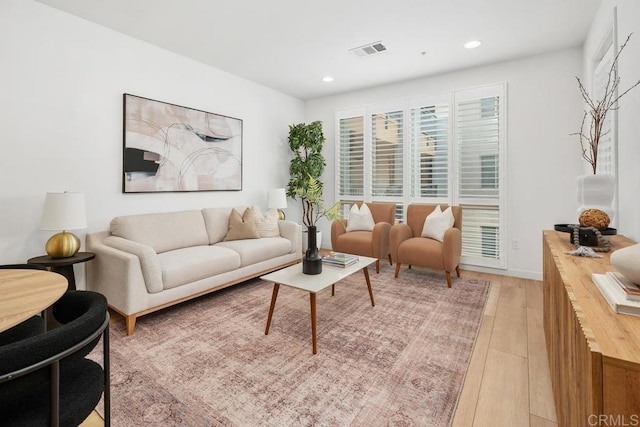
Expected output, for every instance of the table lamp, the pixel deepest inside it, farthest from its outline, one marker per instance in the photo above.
(63, 211)
(277, 199)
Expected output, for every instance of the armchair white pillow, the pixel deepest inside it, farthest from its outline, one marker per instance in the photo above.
(437, 223)
(360, 219)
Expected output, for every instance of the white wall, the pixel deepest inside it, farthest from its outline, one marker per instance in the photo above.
(543, 160)
(628, 20)
(61, 85)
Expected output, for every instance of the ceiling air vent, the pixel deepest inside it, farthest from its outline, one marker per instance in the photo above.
(368, 49)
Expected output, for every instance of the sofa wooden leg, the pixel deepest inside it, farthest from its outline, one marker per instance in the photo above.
(397, 269)
(377, 266)
(390, 261)
(448, 279)
(130, 322)
(458, 271)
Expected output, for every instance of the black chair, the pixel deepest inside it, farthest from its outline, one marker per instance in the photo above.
(46, 380)
(30, 327)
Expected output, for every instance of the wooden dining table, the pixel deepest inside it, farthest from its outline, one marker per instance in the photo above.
(25, 293)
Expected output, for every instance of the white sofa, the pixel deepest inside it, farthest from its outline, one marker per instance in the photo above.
(148, 262)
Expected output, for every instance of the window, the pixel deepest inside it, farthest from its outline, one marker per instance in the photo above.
(386, 153)
(478, 143)
(350, 165)
(479, 146)
(488, 108)
(489, 171)
(489, 241)
(444, 149)
(429, 157)
(480, 232)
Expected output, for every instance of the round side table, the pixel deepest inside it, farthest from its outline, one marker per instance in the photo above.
(63, 266)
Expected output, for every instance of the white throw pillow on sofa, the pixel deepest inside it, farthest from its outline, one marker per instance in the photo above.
(437, 223)
(360, 219)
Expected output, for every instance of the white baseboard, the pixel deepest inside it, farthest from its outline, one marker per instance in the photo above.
(523, 274)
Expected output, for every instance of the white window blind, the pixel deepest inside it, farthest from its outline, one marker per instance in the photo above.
(429, 155)
(478, 131)
(350, 165)
(387, 140)
(478, 150)
(481, 231)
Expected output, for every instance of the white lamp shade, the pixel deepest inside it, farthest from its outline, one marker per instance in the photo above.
(64, 211)
(277, 199)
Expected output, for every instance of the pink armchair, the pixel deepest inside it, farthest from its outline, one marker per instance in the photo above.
(408, 247)
(366, 243)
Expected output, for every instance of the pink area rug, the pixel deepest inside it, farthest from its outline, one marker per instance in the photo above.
(207, 362)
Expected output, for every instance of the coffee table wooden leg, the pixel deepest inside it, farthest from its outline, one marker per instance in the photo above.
(274, 296)
(314, 339)
(366, 276)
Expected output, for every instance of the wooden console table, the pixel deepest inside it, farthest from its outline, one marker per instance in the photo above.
(594, 353)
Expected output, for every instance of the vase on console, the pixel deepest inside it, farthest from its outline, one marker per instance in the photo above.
(312, 261)
(596, 191)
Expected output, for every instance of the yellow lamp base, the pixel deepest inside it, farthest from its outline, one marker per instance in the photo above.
(62, 245)
(280, 214)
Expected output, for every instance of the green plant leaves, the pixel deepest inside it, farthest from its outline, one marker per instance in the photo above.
(306, 142)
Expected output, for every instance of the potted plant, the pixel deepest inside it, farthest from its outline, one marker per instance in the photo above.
(313, 205)
(597, 190)
(306, 142)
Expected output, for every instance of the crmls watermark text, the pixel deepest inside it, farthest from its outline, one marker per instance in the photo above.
(603, 420)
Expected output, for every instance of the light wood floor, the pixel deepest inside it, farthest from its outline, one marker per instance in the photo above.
(508, 382)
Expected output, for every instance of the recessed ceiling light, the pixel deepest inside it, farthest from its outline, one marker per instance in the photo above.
(327, 79)
(472, 44)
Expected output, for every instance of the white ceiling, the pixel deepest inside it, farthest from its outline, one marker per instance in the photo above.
(289, 45)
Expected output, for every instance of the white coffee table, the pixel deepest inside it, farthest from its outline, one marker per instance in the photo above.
(293, 276)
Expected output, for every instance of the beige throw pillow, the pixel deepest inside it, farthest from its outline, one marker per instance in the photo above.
(266, 225)
(241, 227)
(437, 223)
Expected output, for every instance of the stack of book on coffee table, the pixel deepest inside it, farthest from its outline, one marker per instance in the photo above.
(621, 293)
(338, 259)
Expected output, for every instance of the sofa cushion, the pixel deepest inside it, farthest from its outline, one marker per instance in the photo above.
(241, 227)
(217, 223)
(356, 242)
(257, 250)
(163, 231)
(421, 252)
(187, 265)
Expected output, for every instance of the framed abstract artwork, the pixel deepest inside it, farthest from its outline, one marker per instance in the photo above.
(170, 148)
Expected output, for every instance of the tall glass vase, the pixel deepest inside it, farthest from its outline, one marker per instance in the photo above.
(312, 261)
